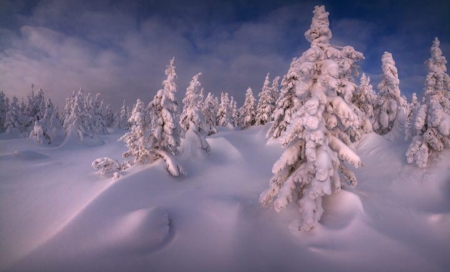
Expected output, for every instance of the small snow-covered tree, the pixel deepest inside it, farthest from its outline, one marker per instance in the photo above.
(4, 106)
(35, 109)
(159, 137)
(234, 112)
(192, 119)
(365, 97)
(411, 112)
(431, 126)
(320, 87)
(266, 104)
(78, 123)
(123, 117)
(137, 139)
(389, 113)
(363, 101)
(267, 101)
(247, 111)
(46, 129)
(98, 116)
(192, 103)
(286, 104)
(224, 112)
(40, 132)
(15, 119)
(209, 111)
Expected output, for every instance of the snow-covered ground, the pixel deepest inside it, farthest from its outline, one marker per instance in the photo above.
(57, 214)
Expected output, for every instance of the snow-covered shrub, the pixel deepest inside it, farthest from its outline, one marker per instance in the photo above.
(247, 111)
(431, 126)
(106, 166)
(316, 114)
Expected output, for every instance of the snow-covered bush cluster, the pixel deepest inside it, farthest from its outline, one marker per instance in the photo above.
(318, 115)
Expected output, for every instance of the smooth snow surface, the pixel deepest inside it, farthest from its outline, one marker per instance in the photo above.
(57, 214)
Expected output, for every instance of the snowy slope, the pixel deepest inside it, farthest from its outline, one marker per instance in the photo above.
(57, 214)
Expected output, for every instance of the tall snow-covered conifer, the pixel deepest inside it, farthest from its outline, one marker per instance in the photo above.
(431, 126)
(315, 138)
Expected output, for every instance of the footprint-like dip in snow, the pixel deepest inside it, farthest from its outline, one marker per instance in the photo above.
(142, 230)
(341, 209)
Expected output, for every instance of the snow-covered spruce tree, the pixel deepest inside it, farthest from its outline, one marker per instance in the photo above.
(137, 139)
(266, 104)
(192, 120)
(162, 137)
(47, 128)
(78, 123)
(224, 111)
(274, 89)
(411, 111)
(247, 112)
(4, 106)
(34, 109)
(235, 115)
(98, 116)
(363, 101)
(389, 113)
(267, 101)
(431, 125)
(15, 119)
(286, 104)
(365, 97)
(123, 117)
(316, 158)
(209, 111)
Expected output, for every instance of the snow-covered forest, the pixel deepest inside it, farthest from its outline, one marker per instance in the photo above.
(318, 169)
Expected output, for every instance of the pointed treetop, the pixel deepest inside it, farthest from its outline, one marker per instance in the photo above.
(319, 32)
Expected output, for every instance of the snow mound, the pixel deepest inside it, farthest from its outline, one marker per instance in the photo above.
(341, 209)
(227, 150)
(142, 230)
(28, 155)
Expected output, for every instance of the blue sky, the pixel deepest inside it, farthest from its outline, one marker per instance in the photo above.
(121, 48)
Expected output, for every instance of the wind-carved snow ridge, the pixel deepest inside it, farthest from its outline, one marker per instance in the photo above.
(315, 120)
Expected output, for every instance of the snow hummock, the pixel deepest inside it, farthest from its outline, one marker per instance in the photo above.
(57, 214)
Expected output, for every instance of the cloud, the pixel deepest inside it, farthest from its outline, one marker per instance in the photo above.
(121, 48)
